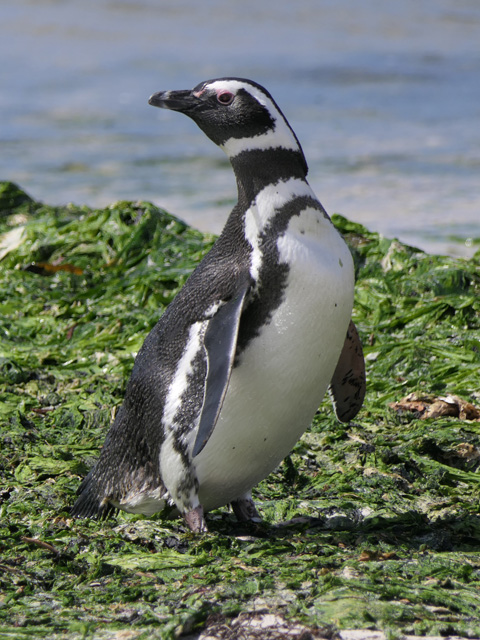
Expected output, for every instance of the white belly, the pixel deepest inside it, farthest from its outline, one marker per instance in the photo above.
(284, 372)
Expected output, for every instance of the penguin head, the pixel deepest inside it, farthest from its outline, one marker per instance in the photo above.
(236, 114)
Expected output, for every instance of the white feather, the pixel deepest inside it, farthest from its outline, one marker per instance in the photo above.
(262, 211)
(179, 384)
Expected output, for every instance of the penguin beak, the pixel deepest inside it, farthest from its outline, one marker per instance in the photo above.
(183, 101)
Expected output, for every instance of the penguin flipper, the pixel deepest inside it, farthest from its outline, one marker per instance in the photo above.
(347, 387)
(220, 343)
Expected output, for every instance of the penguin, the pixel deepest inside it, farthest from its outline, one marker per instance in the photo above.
(233, 373)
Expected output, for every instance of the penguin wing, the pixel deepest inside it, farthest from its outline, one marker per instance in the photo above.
(347, 387)
(220, 344)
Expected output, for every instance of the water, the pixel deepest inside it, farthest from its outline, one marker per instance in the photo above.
(385, 98)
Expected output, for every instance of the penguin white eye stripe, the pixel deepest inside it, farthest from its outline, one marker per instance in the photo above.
(280, 135)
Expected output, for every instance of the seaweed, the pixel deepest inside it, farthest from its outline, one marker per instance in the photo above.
(371, 525)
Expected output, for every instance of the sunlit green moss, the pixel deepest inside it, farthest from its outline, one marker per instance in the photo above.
(369, 525)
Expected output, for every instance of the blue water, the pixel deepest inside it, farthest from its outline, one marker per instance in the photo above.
(384, 96)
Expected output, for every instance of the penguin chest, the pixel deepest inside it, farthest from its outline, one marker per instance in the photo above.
(283, 372)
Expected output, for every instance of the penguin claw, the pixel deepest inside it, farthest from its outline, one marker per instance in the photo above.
(245, 510)
(196, 520)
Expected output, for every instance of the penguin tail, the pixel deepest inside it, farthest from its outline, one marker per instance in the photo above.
(91, 501)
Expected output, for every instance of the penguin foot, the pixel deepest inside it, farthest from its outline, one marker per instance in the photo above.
(196, 520)
(244, 509)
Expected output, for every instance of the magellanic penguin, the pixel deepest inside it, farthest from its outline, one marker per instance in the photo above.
(234, 371)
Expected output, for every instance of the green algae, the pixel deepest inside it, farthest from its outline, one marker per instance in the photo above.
(372, 525)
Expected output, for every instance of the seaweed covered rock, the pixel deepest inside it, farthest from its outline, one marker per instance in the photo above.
(367, 524)
(12, 198)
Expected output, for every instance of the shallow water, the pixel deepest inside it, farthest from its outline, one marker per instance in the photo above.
(385, 98)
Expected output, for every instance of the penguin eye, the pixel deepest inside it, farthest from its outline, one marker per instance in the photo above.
(225, 97)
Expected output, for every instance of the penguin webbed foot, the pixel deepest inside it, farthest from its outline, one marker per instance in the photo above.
(245, 510)
(196, 520)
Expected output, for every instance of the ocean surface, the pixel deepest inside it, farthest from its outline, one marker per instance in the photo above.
(384, 97)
